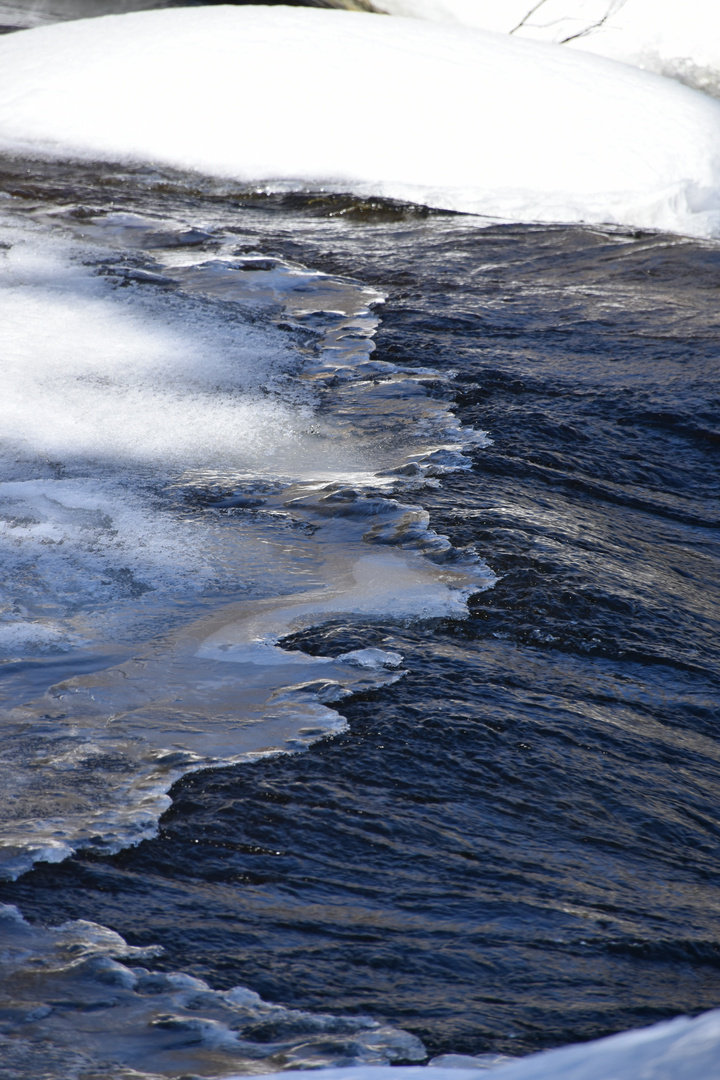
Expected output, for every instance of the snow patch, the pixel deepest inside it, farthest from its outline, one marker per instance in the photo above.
(469, 121)
(681, 41)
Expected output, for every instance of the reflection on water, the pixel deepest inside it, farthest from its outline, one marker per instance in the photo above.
(516, 845)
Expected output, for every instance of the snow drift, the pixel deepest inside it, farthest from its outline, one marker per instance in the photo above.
(678, 40)
(303, 98)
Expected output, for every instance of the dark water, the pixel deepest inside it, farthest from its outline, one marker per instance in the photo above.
(517, 845)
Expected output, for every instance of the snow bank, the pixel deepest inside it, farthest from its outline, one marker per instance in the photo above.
(468, 121)
(670, 38)
(675, 1050)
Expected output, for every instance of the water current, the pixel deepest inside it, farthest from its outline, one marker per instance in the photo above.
(246, 498)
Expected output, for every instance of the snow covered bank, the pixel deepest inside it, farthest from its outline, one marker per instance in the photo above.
(304, 98)
(678, 40)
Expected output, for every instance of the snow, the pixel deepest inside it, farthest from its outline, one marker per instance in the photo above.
(302, 98)
(674, 1050)
(678, 40)
(86, 373)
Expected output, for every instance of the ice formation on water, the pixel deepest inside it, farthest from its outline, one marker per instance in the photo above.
(131, 389)
(78, 1001)
(82, 1011)
(199, 456)
(499, 126)
(678, 40)
(142, 383)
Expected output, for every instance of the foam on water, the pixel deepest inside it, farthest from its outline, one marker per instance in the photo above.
(590, 140)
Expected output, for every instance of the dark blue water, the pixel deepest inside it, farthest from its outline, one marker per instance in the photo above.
(517, 845)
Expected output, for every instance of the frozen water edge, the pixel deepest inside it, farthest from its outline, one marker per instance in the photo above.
(29, 1057)
(338, 507)
(217, 689)
(71, 1005)
(78, 1001)
(90, 762)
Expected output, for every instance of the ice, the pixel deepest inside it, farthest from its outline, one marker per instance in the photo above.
(90, 372)
(77, 1000)
(458, 119)
(221, 691)
(110, 396)
(131, 412)
(78, 989)
(114, 394)
(175, 500)
(674, 1050)
(678, 40)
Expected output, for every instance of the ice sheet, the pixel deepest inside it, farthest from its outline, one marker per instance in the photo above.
(172, 487)
(462, 120)
(121, 493)
(119, 376)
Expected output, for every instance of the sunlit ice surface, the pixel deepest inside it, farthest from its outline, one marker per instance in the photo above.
(145, 403)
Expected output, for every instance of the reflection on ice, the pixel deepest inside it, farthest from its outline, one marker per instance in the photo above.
(220, 691)
(172, 475)
(90, 372)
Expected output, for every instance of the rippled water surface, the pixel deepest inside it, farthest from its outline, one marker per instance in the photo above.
(517, 844)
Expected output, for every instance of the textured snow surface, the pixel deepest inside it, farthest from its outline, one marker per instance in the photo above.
(681, 40)
(457, 119)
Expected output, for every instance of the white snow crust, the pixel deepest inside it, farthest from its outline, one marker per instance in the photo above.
(681, 40)
(302, 98)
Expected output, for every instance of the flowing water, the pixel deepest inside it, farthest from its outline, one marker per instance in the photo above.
(277, 468)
